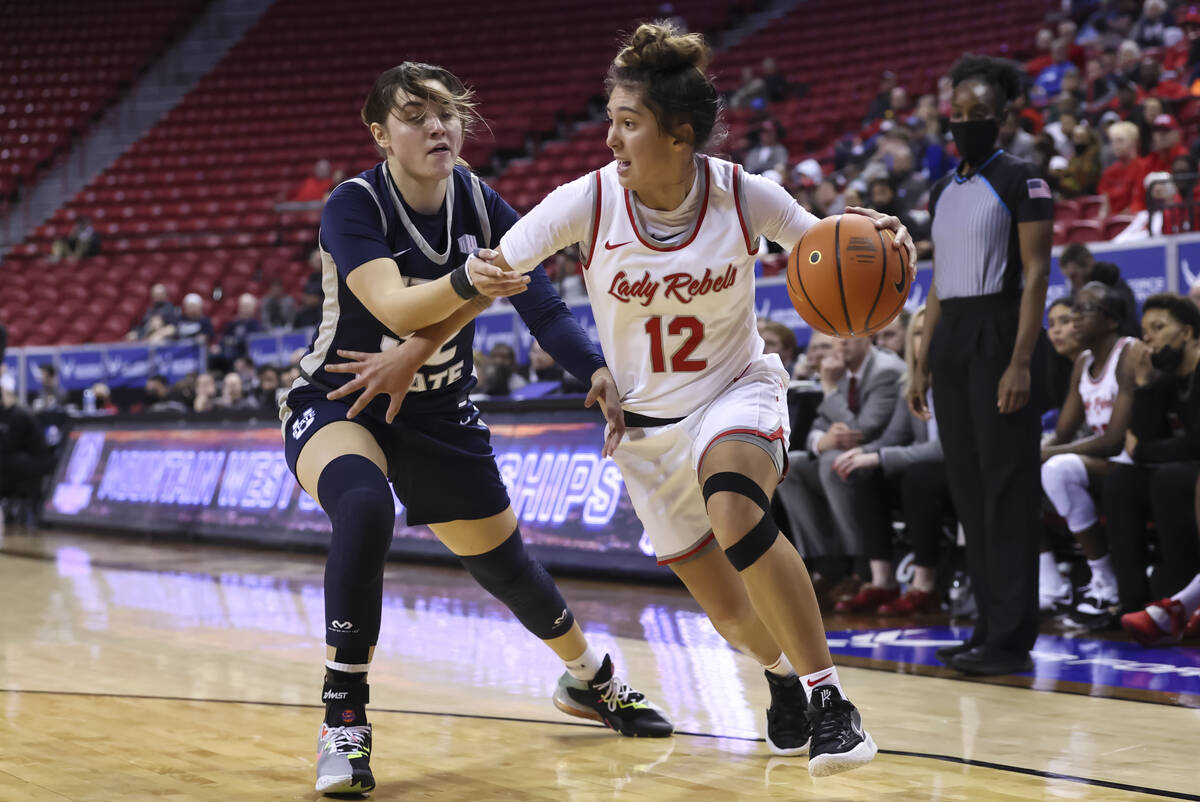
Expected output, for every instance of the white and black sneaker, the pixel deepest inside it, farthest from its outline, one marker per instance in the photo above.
(839, 742)
(1097, 608)
(788, 732)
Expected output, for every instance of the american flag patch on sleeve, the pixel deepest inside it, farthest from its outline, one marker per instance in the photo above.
(1038, 188)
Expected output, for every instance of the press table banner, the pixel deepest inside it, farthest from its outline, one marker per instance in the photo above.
(230, 481)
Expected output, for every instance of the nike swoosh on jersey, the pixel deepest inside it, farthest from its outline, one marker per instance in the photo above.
(401, 253)
(608, 246)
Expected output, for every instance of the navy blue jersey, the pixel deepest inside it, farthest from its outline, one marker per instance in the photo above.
(365, 218)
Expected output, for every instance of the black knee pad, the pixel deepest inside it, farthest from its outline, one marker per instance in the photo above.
(358, 499)
(515, 578)
(758, 540)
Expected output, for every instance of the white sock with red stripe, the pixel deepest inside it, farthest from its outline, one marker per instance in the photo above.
(826, 676)
(1189, 597)
(781, 667)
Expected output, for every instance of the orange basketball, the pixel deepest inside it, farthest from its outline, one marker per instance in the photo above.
(845, 277)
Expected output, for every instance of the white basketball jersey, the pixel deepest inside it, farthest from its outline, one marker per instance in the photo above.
(676, 317)
(1100, 394)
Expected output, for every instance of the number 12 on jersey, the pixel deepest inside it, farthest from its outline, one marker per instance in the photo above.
(679, 359)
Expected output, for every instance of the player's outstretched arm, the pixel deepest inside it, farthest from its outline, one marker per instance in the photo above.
(391, 372)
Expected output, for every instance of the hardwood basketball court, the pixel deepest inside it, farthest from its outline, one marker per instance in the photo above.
(150, 670)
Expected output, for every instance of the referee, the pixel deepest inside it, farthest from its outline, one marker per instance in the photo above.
(984, 351)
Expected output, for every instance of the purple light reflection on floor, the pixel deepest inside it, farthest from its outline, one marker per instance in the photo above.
(1116, 664)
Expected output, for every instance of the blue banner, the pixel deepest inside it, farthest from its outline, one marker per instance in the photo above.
(81, 368)
(1144, 270)
(127, 365)
(1189, 265)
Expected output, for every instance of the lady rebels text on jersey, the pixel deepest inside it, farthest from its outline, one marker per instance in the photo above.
(365, 218)
(675, 313)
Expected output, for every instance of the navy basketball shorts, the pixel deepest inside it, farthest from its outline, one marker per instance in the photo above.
(440, 464)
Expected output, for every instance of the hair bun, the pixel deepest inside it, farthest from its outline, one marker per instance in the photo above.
(661, 47)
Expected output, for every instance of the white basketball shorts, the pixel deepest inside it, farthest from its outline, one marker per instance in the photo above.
(661, 464)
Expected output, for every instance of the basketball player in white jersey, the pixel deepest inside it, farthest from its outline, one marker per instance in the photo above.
(670, 239)
(1101, 396)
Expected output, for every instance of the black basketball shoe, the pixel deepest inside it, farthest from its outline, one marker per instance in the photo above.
(788, 732)
(606, 698)
(839, 742)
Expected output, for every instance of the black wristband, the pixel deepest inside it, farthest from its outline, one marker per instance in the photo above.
(461, 283)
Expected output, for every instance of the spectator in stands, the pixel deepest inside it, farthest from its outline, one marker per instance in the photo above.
(160, 308)
(268, 388)
(861, 384)
(82, 242)
(1190, 70)
(206, 393)
(25, 458)
(778, 339)
(233, 395)
(1129, 56)
(1060, 330)
(277, 309)
(1049, 80)
(1109, 275)
(158, 396)
(1042, 42)
(309, 313)
(1183, 176)
(500, 377)
(1083, 169)
(902, 468)
(828, 198)
(238, 330)
(543, 368)
(808, 366)
(104, 402)
(883, 99)
(894, 335)
(883, 199)
(1075, 263)
(769, 158)
(752, 94)
(1063, 128)
(912, 188)
(778, 87)
(1119, 183)
(1101, 398)
(1164, 443)
(1152, 29)
(315, 187)
(1149, 222)
(52, 395)
(193, 323)
(1015, 139)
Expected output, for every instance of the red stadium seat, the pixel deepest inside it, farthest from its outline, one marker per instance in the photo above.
(1085, 231)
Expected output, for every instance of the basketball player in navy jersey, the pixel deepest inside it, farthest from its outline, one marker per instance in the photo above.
(394, 243)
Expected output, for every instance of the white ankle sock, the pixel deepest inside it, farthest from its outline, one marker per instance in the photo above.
(585, 666)
(1048, 576)
(781, 667)
(1102, 570)
(826, 676)
(1189, 597)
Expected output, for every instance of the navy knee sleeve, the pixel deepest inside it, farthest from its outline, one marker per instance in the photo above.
(356, 496)
(515, 578)
(758, 540)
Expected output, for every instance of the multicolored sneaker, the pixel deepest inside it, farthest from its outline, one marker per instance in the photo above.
(788, 733)
(839, 742)
(343, 760)
(606, 698)
(914, 602)
(1161, 623)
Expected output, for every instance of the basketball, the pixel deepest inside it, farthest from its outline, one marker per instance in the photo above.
(845, 277)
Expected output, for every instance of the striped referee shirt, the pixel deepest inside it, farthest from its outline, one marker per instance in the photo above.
(976, 246)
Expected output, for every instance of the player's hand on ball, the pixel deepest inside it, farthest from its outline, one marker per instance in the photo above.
(388, 372)
(902, 238)
(604, 390)
(491, 280)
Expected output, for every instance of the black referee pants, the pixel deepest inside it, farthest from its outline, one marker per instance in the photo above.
(992, 463)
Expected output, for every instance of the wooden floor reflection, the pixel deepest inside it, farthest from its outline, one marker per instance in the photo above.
(137, 670)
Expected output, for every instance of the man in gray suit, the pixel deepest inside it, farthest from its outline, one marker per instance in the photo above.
(861, 385)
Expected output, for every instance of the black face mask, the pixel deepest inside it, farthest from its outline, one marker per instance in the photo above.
(1167, 359)
(976, 139)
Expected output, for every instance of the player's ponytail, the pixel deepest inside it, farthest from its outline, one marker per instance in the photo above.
(670, 69)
